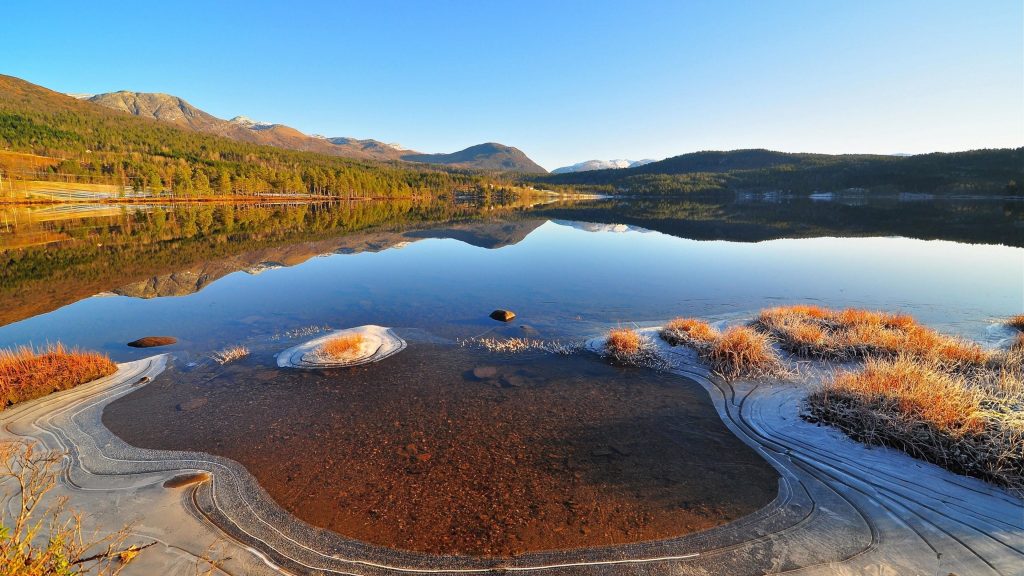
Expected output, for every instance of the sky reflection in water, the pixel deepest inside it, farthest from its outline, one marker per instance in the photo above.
(562, 280)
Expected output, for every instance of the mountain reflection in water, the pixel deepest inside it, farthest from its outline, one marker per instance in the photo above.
(566, 268)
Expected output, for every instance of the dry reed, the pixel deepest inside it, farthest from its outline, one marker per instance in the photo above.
(971, 424)
(739, 352)
(230, 354)
(27, 373)
(629, 347)
(341, 347)
(815, 332)
(689, 332)
(1016, 322)
(517, 345)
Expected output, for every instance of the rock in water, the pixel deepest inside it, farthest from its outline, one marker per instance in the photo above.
(485, 372)
(503, 315)
(153, 341)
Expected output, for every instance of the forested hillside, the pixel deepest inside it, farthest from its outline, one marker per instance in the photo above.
(977, 171)
(92, 144)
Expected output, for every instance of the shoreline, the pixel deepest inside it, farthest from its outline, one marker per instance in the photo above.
(161, 200)
(843, 507)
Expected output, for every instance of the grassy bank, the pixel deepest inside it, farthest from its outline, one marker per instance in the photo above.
(937, 397)
(26, 373)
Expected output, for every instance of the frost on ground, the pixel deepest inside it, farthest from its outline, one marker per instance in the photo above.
(516, 345)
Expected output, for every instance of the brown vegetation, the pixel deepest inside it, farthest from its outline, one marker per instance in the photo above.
(816, 332)
(26, 373)
(689, 332)
(1016, 322)
(937, 397)
(739, 352)
(623, 341)
(971, 424)
(342, 347)
(230, 354)
(629, 347)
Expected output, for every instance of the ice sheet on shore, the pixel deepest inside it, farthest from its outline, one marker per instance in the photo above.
(377, 344)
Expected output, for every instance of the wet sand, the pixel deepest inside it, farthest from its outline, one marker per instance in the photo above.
(456, 451)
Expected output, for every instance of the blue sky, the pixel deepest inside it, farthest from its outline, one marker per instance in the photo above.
(563, 80)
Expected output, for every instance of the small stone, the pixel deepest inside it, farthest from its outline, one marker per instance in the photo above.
(153, 341)
(503, 315)
(193, 404)
(187, 479)
(485, 372)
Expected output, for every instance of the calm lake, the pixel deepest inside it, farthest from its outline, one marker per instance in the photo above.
(451, 449)
(214, 276)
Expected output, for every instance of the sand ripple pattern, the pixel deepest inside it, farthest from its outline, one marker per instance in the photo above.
(842, 508)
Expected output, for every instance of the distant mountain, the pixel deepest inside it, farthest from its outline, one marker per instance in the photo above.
(175, 110)
(600, 165)
(178, 111)
(489, 156)
(996, 171)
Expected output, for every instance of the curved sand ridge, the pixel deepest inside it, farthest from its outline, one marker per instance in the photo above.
(377, 343)
(842, 508)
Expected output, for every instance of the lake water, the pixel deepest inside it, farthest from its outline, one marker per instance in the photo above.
(452, 449)
(564, 278)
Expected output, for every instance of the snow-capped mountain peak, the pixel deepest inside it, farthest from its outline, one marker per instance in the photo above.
(250, 123)
(601, 165)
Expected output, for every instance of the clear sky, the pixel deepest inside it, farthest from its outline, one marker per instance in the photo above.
(563, 80)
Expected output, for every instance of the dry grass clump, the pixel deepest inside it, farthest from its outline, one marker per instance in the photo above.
(741, 352)
(689, 332)
(1016, 322)
(27, 373)
(816, 332)
(623, 341)
(341, 347)
(971, 424)
(517, 345)
(629, 347)
(230, 354)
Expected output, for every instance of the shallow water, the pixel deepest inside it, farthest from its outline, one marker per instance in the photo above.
(563, 279)
(445, 449)
(550, 451)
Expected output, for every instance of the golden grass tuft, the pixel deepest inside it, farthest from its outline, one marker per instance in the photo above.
(971, 424)
(342, 347)
(739, 352)
(1016, 322)
(623, 341)
(688, 331)
(27, 373)
(812, 331)
(917, 391)
(743, 352)
(629, 347)
(230, 354)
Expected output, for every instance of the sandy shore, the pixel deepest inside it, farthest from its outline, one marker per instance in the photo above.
(842, 508)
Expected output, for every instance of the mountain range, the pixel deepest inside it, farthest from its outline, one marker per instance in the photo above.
(601, 165)
(178, 111)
